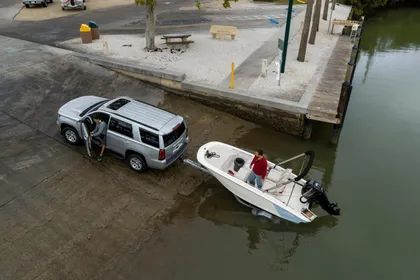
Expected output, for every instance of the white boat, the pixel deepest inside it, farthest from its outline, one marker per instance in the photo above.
(283, 193)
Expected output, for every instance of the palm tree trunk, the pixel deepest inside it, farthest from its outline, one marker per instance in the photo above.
(315, 22)
(150, 27)
(325, 14)
(305, 31)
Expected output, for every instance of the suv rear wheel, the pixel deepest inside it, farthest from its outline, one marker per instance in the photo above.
(137, 163)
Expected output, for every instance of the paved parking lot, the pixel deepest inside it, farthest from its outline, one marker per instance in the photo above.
(63, 215)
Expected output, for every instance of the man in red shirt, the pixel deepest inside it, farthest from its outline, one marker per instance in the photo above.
(259, 170)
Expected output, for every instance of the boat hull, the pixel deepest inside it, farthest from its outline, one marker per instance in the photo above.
(258, 201)
(246, 192)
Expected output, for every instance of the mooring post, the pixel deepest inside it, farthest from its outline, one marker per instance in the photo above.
(342, 110)
(343, 100)
(307, 129)
(349, 71)
(354, 51)
(335, 134)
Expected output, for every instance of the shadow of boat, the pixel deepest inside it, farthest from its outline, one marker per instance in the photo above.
(221, 207)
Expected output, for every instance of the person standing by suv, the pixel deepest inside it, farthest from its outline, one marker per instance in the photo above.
(99, 133)
(259, 170)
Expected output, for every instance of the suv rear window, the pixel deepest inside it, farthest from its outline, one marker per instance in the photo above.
(149, 138)
(168, 139)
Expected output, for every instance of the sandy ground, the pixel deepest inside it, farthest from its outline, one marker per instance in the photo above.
(38, 13)
(299, 75)
(207, 60)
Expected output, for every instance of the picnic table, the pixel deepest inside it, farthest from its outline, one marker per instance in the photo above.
(183, 37)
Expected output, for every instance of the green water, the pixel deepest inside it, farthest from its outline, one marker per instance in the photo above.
(371, 173)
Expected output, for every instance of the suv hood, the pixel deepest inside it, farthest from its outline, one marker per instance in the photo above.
(73, 108)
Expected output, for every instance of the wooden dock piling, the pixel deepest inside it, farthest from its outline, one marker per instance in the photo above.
(331, 98)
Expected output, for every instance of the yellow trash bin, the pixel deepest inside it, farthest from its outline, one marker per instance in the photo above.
(85, 34)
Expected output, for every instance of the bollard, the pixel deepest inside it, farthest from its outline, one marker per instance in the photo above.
(357, 40)
(264, 68)
(349, 71)
(85, 34)
(94, 30)
(106, 48)
(232, 77)
(343, 101)
(354, 53)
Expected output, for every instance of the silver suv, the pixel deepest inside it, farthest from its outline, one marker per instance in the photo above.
(143, 134)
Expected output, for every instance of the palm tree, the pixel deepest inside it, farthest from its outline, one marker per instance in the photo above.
(150, 23)
(151, 19)
(315, 22)
(325, 14)
(305, 31)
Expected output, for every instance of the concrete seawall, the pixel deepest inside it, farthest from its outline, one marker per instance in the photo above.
(286, 116)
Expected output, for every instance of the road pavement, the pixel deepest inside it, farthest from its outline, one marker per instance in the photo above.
(62, 214)
(131, 19)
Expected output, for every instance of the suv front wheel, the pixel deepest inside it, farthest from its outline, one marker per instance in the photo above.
(71, 135)
(137, 163)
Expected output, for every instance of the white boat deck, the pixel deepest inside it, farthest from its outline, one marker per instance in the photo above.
(224, 161)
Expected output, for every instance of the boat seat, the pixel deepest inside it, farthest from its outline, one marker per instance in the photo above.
(229, 162)
(243, 173)
(267, 184)
(278, 176)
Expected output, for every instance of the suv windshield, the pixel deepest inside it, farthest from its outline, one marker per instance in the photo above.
(88, 109)
(168, 139)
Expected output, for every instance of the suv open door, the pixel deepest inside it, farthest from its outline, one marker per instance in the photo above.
(85, 125)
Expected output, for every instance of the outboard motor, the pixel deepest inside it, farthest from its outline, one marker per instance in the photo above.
(313, 192)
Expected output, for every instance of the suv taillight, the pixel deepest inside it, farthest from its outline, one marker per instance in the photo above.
(161, 154)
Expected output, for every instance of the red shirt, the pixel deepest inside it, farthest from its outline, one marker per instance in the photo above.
(260, 166)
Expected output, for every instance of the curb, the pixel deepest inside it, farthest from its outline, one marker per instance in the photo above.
(137, 69)
(177, 80)
(280, 114)
(235, 95)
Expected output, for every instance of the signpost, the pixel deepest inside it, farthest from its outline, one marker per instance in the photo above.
(286, 35)
(280, 45)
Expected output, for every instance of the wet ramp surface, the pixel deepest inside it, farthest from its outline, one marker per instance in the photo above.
(62, 214)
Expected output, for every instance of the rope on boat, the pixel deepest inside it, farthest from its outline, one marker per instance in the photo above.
(211, 154)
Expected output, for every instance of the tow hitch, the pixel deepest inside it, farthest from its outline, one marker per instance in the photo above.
(194, 164)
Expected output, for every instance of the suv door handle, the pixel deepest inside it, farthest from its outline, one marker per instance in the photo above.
(126, 141)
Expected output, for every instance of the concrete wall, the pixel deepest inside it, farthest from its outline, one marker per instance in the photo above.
(285, 117)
